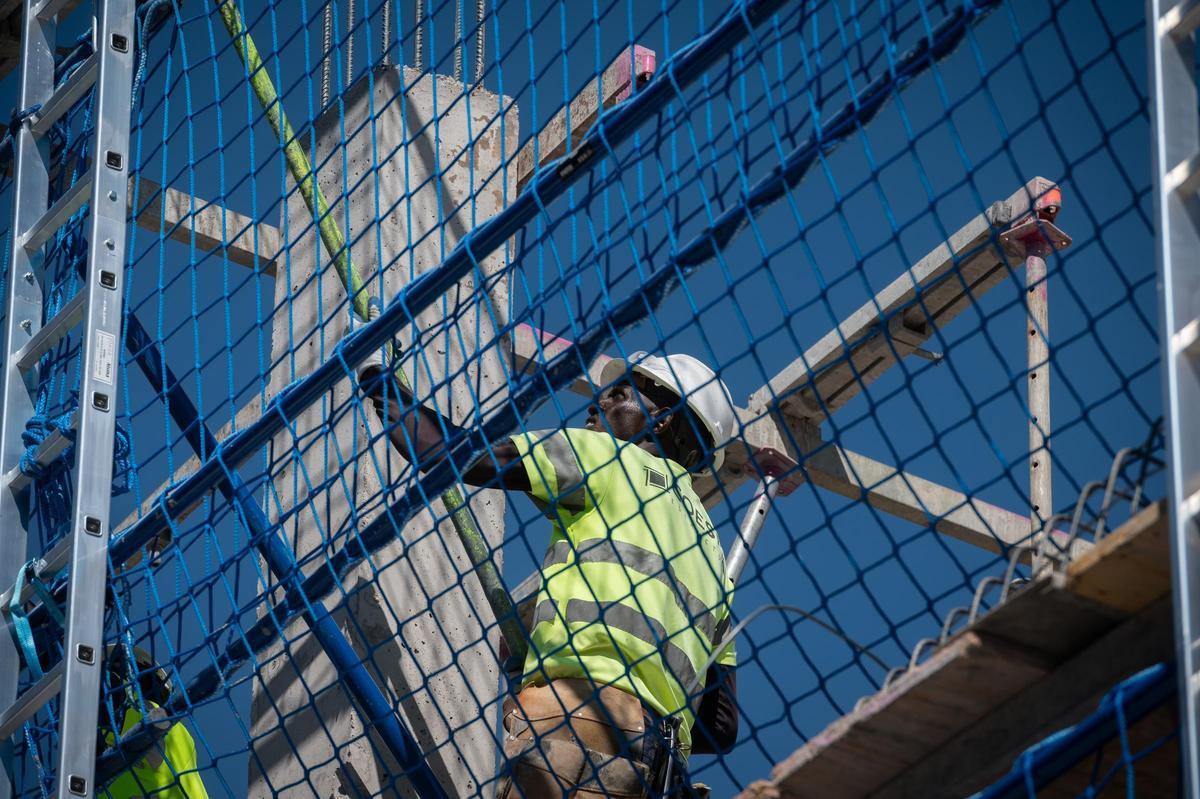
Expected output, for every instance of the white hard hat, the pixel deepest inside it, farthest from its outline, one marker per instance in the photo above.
(687, 377)
(150, 675)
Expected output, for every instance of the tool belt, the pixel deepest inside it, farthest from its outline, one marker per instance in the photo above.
(575, 738)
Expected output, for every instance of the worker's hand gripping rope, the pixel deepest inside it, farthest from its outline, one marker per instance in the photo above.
(375, 359)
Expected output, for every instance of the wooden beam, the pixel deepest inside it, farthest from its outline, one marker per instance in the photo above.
(920, 501)
(983, 752)
(901, 318)
(532, 348)
(985, 669)
(628, 71)
(170, 211)
(828, 466)
(1121, 575)
(927, 705)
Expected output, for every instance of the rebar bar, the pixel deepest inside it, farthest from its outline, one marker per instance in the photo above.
(385, 26)
(326, 53)
(480, 39)
(419, 36)
(349, 42)
(458, 40)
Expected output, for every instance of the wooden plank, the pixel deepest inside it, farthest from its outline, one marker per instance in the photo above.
(1043, 617)
(170, 211)
(1130, 567)
(921, 501)
(1059, 612)
(892, 324)
(532, 348)
(904, 740)
(629, 70)
(980, 754)
(896, 727)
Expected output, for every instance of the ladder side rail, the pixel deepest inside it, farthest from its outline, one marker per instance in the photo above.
(96, 424)
(1176, 139)
(23, 318)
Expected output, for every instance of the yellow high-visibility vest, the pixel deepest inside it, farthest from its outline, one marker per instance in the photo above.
(633, 582)
(166, 771)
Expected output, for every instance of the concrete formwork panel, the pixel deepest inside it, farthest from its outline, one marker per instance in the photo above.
(416, 613)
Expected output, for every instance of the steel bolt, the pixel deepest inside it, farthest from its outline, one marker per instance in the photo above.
(29, 278)
(110, 244)
(112, 195)
(26, 325)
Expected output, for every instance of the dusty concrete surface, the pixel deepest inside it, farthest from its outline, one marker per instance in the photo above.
(415, 612)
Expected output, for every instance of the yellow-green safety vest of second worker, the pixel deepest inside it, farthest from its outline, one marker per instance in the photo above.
(633, 583)
(167, 771)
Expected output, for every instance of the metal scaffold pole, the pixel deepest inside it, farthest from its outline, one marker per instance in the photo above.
(1035, 238)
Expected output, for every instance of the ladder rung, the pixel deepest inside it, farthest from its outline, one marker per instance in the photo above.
(30, 702)
(51, 447)
(51, 333)
(48, 9)
(1187, 341)
(54, 562)
(1191, 506)
(1182, 20)
(1184, 178)
(58, 214)
(65, 96)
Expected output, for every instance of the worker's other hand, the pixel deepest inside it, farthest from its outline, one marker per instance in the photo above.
(368, 371)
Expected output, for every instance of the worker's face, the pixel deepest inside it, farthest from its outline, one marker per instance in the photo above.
(622, 410)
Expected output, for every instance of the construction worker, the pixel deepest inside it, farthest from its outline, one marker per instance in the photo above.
(633, 582)
(168, 770)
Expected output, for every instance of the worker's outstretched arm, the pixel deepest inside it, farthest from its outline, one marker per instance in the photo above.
(417, 433)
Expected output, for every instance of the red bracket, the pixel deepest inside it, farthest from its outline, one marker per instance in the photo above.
(1035, 234)
(773, 463)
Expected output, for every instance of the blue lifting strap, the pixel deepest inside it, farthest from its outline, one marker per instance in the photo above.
(20, 620)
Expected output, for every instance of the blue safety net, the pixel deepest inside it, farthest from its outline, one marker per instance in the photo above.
(828, 203)
(1125, 746)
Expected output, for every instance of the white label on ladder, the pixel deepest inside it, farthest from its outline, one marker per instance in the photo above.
(106, 351)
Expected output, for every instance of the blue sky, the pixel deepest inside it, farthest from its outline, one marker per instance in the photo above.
(1055, 89)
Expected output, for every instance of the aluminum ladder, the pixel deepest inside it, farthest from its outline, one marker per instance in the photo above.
(1171, 28)
(96, 313)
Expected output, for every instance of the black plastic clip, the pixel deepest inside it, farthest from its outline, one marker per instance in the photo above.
(575, 160)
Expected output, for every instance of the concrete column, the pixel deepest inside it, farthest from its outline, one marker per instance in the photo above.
(416, 612)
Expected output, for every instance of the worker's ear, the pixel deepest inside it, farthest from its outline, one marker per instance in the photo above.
(662, 421)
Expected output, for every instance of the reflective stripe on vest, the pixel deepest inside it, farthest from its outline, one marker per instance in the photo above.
(567, 474)
(628, 620)
(649, 564)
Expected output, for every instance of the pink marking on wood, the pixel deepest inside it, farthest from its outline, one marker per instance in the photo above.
(615, 85)
(643, 63)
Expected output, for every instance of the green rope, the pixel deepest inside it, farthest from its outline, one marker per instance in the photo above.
(335, 244)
